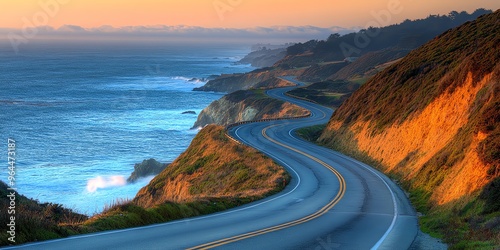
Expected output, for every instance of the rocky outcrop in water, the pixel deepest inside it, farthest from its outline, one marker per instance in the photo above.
(146, 168)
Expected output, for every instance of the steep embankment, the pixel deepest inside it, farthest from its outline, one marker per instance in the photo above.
(214, 167)
(433, 120)
(246, 105)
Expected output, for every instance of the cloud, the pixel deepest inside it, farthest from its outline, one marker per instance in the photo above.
(182, 32)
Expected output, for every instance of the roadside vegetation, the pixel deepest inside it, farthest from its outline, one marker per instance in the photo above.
(35, 221)
(328, 93)
(212, 175)
(452, 169)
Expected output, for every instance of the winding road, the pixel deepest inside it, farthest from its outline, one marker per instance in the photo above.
(332, 202)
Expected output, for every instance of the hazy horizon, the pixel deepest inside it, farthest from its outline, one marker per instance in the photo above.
(239, 14)
(277, 34)
(237, 21)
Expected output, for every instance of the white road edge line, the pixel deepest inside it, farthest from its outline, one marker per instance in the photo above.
(173, 222)
(394, 202)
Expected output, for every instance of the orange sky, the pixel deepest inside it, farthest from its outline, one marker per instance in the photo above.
(231, 14)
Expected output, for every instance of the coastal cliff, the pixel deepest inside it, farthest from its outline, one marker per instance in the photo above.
(246, 105)
(336, 58)
(260, 78)
(264, 57)
(214, 167)
(433, 121)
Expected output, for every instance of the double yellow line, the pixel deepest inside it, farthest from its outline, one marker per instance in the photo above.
(323, 210)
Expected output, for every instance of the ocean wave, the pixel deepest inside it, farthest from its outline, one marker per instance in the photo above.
(101, 182)
(179, 83)
(190, 80)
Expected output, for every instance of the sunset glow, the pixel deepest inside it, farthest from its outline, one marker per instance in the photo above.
(219, 13)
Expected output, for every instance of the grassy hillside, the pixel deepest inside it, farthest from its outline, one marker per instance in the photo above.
(35, 221)
(319, 72)
(433, 121)
(254, 79)
(406, 35)
(214, 174)
(214, 167)
(328, 93)
(320, 60)
(264, 57)
(366, 65)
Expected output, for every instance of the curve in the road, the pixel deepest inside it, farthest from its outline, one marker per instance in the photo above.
(315, 215)
(332, 202)
(342, 186)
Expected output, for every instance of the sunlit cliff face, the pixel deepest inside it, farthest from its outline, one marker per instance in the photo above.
(405, 148)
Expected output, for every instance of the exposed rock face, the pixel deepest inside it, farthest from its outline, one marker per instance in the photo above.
(246, 105)
(146, 168)
(433, 119)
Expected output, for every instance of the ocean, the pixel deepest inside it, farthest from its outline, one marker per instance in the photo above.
(83, 113)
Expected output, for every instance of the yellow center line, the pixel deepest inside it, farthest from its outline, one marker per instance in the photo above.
(323, 210)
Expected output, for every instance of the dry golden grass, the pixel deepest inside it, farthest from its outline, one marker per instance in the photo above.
(432, 120)
(214, 167)
(422, 136)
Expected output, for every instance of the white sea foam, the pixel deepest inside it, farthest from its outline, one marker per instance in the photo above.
(81, 128)
(101, 182)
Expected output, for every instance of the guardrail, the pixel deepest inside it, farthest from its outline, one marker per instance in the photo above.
(300, 98)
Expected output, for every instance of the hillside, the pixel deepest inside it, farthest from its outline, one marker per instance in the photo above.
(409, 34)
(214, 167)
(366, 64)
(433, 121)
(264, 57)
(213, 174)
(319, 72)
(246, 105)
(328, 93)
(253, 79)
(35, 221)
(315, 61)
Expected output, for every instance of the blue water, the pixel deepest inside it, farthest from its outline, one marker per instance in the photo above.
(83, 113)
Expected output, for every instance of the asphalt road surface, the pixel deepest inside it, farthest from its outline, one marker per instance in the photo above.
(332, 202)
